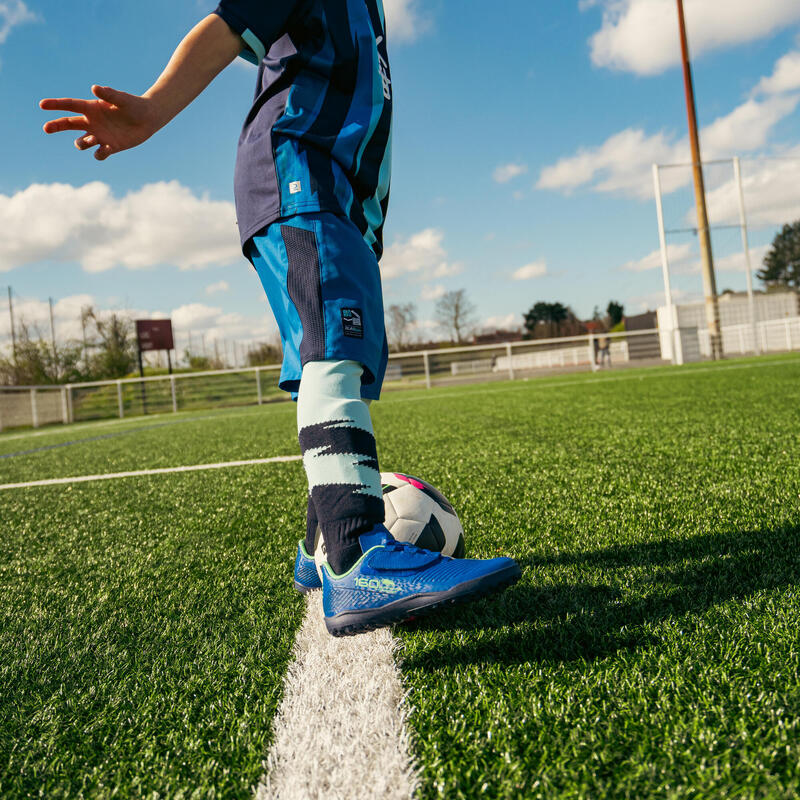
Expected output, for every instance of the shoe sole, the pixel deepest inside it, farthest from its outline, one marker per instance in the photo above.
(306, 589)
(349, 623)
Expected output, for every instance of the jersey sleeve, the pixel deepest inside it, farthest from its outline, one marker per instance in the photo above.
(260, 23)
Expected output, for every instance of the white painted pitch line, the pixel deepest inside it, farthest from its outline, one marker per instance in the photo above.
(340, 731)
(161, 471)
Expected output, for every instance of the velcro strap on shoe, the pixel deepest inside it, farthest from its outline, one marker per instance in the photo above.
(403, 557)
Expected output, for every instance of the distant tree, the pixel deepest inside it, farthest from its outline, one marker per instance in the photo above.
(615, 312)
(400, 319)
(115, 345)
(265, 353)
(197, 363)
(547, 315)
(558, 314)
(782, 262)
(456, 315)
(35, 363)
(537, 314)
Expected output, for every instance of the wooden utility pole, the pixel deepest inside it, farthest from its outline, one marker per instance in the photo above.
(703, 232)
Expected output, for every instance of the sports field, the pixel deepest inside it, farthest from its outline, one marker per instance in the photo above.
(651, 648)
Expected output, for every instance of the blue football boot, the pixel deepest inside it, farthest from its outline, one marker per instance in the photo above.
(395, 581)
(306, 577)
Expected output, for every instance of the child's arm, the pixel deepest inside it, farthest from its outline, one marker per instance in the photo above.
(117, 121)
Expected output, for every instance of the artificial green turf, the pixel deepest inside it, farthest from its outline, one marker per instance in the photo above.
(650, 650)
(145, 628)
(154, 442)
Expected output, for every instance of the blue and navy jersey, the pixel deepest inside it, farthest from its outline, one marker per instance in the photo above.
(318, 135)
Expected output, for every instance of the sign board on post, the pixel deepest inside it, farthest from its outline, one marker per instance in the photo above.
(154, 334)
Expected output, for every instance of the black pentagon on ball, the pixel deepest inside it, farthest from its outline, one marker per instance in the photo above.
(432, 536)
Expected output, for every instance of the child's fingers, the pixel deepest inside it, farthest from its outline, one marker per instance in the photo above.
(66, 124)
(108, 94)
(103, 152)
(85, 142)
(64, 104)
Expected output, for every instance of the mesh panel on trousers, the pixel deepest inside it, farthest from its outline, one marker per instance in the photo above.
(305, 289)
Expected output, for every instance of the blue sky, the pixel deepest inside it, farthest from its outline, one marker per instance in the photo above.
(523, 145)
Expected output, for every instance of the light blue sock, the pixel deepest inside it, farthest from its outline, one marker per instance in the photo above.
(340, 458)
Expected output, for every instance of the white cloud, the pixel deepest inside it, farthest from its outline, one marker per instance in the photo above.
(684, 260)
(785, 77)
(194, 315)
(432, 292)
(219, 286)
(35, 314)
(507, 172)
(747, 127)
(676, 253)
(770, 189)
(421, 253)
(13, 13)
(404, 20)
(623, 163)
(536, 269)
(641, 36)
(736, 262)
(447, 270)
(507, 322)
(159, 224)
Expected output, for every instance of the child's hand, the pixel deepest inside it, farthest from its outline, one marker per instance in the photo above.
(114, 122)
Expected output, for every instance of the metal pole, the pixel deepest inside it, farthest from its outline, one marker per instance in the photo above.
(510, 362)
(142, 387)
(53, 336)
(64, 407)
(258, 384)
(662, 239)
(13, 333)
(426, 361)
(703, 232)
(751, 302)
(34, 409)
(85, 351)
(120, 406)
(172, 389)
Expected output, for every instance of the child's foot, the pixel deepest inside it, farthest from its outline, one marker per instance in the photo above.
(394, 581)
(306, 577)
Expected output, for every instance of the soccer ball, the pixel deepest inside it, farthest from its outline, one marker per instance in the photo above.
(416, 513)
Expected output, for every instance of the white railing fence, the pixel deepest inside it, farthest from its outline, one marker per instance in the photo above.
(773, 335)
(41, 405)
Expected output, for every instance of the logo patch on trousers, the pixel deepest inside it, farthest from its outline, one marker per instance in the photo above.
(352, 324)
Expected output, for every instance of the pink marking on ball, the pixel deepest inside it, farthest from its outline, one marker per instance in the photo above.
(413, 481)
